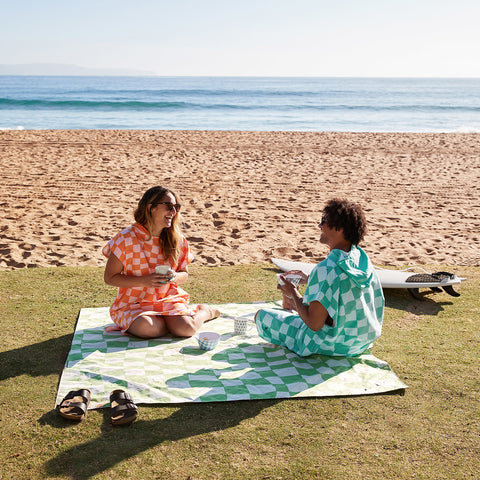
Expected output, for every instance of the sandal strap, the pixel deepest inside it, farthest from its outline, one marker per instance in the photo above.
(83, 392)
(123, 408)
(121, 397)
(74, 407)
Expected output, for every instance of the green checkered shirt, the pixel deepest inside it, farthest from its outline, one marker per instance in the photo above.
(346, 284)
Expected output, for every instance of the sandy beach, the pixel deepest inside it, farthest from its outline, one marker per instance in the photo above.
(246, 196)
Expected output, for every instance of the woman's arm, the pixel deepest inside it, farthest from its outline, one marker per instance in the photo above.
(113, 276)
(179, 277)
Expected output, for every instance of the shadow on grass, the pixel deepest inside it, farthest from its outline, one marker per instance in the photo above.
(38, 359)
(117, 444)
(400, 299)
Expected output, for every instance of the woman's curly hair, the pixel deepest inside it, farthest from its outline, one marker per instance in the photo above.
(342, 214)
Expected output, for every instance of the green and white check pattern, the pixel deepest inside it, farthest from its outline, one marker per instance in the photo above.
(241, 367)
(358, 312)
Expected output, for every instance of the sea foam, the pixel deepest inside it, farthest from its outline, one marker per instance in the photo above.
(19, 127)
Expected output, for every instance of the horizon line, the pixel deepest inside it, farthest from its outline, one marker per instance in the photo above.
(241, 76)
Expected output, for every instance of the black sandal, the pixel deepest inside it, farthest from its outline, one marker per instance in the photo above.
(122, 408)
(75, 404)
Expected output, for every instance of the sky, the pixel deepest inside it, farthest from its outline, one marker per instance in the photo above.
(371, 38)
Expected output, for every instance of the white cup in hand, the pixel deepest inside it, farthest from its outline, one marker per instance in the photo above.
(295, 279)
(162, 269)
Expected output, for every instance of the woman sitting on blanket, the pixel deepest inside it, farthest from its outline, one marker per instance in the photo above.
(150, 304)
(341, 312)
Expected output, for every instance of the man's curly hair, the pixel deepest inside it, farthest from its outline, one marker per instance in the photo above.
(342, 214)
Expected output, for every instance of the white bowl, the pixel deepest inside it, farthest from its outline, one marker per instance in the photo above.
(207, 340)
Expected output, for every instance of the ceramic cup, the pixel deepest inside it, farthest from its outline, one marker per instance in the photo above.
(295, 279)
(162, 269)
(241, 325)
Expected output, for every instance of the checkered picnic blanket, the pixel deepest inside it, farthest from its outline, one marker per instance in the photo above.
(241, 367)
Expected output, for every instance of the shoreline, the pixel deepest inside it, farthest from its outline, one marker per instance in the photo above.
(246, 196)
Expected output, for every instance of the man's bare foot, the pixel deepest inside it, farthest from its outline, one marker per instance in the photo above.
(209, 312)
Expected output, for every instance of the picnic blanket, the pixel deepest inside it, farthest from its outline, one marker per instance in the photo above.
(241, 367)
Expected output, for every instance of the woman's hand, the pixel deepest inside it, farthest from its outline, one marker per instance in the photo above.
(181, 276)
(166, 277)
(157, 279)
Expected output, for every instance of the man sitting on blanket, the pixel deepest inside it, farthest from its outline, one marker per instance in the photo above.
(341, 312)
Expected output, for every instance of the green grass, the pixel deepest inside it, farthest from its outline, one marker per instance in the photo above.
(432, 432)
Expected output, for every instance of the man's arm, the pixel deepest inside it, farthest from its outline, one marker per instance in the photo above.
(314, 315)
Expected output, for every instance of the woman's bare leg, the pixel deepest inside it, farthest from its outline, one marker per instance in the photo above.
(148, 326)
(187, 326)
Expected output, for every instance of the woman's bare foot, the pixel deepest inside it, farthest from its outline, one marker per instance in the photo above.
(207, 312)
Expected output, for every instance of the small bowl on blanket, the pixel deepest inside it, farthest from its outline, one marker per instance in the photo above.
(207, 340)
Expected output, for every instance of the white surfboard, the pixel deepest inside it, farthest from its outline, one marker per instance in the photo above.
(388, 278)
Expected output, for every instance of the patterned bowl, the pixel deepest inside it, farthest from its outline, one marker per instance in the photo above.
(207, 340)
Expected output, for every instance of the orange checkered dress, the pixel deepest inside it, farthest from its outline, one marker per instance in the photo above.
(140, 255)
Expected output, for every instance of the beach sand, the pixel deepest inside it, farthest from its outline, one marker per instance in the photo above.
(246, 196)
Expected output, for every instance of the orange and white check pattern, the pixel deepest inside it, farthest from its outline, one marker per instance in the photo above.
(140, 255)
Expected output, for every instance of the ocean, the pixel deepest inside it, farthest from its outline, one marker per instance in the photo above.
(240, 103)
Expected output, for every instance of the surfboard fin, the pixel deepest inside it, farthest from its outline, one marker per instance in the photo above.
(415, 293)
(449, 289)
(430, 277)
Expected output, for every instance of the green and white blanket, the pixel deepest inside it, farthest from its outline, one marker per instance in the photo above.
(241, 367)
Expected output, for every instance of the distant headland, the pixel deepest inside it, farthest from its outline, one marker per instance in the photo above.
(59, 69)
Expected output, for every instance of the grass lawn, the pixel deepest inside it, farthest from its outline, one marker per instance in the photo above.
(432, 432)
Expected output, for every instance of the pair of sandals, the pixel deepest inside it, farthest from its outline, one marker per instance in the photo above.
(122, 408)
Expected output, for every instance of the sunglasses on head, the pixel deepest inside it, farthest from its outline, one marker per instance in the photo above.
(171, 206)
